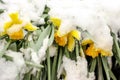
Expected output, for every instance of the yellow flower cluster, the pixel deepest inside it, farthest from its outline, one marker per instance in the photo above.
(14, 28)
(69, 40)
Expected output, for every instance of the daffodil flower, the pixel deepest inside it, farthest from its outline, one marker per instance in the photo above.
(66, 39)
(93, 51)
(15, 27)
(56, 21)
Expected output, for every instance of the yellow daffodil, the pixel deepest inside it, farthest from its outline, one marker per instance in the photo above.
(92, 51)
(66, 39)
(14, 28)
(61, 40)
(87, 42)
(74, 34)
(56, 21)
(104, 52)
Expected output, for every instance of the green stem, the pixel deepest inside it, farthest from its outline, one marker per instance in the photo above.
(48, 65)
(60, 58)
(44, 71)
(106, 68)
(81, 52)
(34, 64)
(27, 76)
(38, 75)
(8, 44)
(93, 65)
(67, 53)
(116, 44)
(112, 75)
(54, 67)
(100, 72)
(77, 50)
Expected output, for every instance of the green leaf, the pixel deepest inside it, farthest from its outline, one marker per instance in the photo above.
(116, 45)
(66, 52)
(112, 75)
(82, 54)
(38, 75)
(45, 16)
(32, 44)
(42, 36)
(34, 64)
(54, 68)
(35, 37)
(60, 57)
(43, 75)
(51, 39)
(48, 65)
(2, 52)
(93, 65)
(1, 11)
(116, 48)
(13, 47)
(8, 57)
(34, 77)
(100, 69)
(27, 76)
(106, 68)
(2, 37)
(46, 10)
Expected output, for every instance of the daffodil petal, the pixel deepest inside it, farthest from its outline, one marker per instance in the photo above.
(71, 43)
(75, 34)
(7, 25)
(56, 21)
(15, 18)
(61, 40)
(92, 51)
(15, 32)
(86, 41)
(17, 35)
(30, 27)
(104, 53)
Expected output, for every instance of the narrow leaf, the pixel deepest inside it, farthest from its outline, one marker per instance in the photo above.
(93, 65)
(51, 36)
(41, 38)
(112, 75)
(100, 69)
(34, 64)
(106, 68)
(116, 45)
